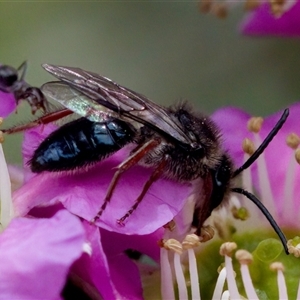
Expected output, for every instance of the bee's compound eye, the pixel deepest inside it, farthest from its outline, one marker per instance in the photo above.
(8, 76)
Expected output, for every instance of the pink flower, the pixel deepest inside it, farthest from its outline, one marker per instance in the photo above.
(273, 17)
(101, 269)
(36, 255)
(276, 172)
(7, 104)
(262, 21)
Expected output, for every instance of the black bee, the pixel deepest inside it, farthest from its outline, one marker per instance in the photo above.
(12, 82)
(176, 142)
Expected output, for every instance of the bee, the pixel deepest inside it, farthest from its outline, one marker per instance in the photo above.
(12, 81)
(175, 142)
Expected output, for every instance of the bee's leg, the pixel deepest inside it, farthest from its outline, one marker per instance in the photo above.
(154, 176)
(132, 160)
(45, 119)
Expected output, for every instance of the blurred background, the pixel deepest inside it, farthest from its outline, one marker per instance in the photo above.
(165, 50)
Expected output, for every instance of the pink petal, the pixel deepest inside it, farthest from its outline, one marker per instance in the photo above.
(82, 193)
(7, 104)
(94, 269)
(32, 138)
(262, 22)
(277, 168)
(36, 255)
(126, 277)
(232, 123)
(145, 244)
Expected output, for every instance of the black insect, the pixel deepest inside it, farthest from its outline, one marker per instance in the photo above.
(12, 81)
(176, 142)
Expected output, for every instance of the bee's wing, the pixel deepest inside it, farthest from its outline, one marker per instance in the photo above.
(119, 100)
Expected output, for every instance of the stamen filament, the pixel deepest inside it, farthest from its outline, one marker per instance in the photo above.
(264, 182)
(247, 281)
(298, 292)
(246, 177)
(195, 286)
(226, 249)
(5, 192)
(287, 208)
(282, 289)
(281, 285)
(167, 289)
(226, 296)
(245, 258)
(232, 287)
(219, 285)
(181, 283)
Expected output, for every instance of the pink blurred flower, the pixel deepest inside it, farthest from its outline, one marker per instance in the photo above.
(276, 171)
(7, 104)
(272, 17)
(266, 20)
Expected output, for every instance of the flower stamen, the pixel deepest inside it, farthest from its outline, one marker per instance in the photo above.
(282, 289)
(254, 125)
(245, 258)
(248, 148)
(226, 250)
(220, 284)
(297, 156)
(294, 246)
(1, 137)
(181, 283)
(226, 295)
(293, 141)
(167, 290)
(190, 242)
(207, 233)
(5, 192)
(279, 7)
(251, 4)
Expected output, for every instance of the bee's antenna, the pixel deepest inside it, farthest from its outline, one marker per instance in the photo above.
(266, 213)
(264, 144)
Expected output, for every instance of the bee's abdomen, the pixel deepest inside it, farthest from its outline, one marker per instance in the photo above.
(80, 143)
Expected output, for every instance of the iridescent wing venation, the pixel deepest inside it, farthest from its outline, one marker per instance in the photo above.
(120, 99)
(76, 101)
